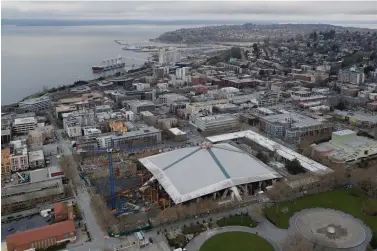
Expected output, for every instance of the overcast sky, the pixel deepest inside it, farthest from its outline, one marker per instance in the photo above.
(196, 10)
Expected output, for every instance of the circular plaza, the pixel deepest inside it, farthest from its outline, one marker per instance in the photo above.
(331, 229)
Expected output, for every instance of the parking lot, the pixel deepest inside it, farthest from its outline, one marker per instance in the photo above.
(22, 225)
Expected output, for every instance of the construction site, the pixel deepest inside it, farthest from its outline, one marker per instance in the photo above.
(134, 188)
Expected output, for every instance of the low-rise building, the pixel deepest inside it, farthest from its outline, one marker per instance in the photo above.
(40, 188)
(216, 124)
(359, 119)
(24, 125)
(138, 106)
(117, 126)
(346, 147)
(195, 108)
(292, 126)
(42, 237)
(36, 159)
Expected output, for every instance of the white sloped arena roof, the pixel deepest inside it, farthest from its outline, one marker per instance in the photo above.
(192, 172)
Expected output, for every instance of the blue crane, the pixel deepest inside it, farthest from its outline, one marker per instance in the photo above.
(128, 149)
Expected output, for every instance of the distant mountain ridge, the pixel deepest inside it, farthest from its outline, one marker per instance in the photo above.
(248, 32)
(73, 22)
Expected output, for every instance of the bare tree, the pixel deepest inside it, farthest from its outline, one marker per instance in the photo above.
(297, 242)
(257, 212)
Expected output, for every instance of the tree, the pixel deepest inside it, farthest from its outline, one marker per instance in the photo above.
(340, 106)
(294, 167)
(368, 69)
(262, 157)
(296, 242)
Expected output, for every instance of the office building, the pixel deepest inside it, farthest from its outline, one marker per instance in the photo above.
(24, 125)
(170, 98)
(292, 127)
(35, 104)
(216, 124)
(138, 106)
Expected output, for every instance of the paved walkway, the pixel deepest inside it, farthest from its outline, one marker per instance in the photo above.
(270, 233)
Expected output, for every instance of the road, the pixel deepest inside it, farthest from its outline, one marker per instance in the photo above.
(83, 200)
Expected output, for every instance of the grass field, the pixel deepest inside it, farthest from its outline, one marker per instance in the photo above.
(236, 241)
(347, 200)
(237, 220)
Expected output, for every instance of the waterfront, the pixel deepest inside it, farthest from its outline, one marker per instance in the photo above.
(37, 57)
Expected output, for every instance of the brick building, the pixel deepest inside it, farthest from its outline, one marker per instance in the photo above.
(42, 237)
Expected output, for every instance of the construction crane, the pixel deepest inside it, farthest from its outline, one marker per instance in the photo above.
(110, 151)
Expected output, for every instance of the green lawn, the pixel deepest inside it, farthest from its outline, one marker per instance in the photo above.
(237, 220)
(236, 241)
(347, 200)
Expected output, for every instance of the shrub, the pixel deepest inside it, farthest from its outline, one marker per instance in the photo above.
(370, 207)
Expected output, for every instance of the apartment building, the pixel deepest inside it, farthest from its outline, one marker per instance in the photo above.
(24, 125)
(72, 127)
(5, 163)
(19, 160)
(143, 136)
(351, 76)
(292, 127)
(169, 56)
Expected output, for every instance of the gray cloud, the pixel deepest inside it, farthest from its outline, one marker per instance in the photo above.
(205, 10)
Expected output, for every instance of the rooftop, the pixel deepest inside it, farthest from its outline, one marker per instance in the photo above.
(180, 172)
(137, 102)
(281, 150)
(27, 120)
(36, 155)
(41, 233)
(176, 131)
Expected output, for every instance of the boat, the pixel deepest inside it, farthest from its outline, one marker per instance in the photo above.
(109, 64)
(132, 48)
